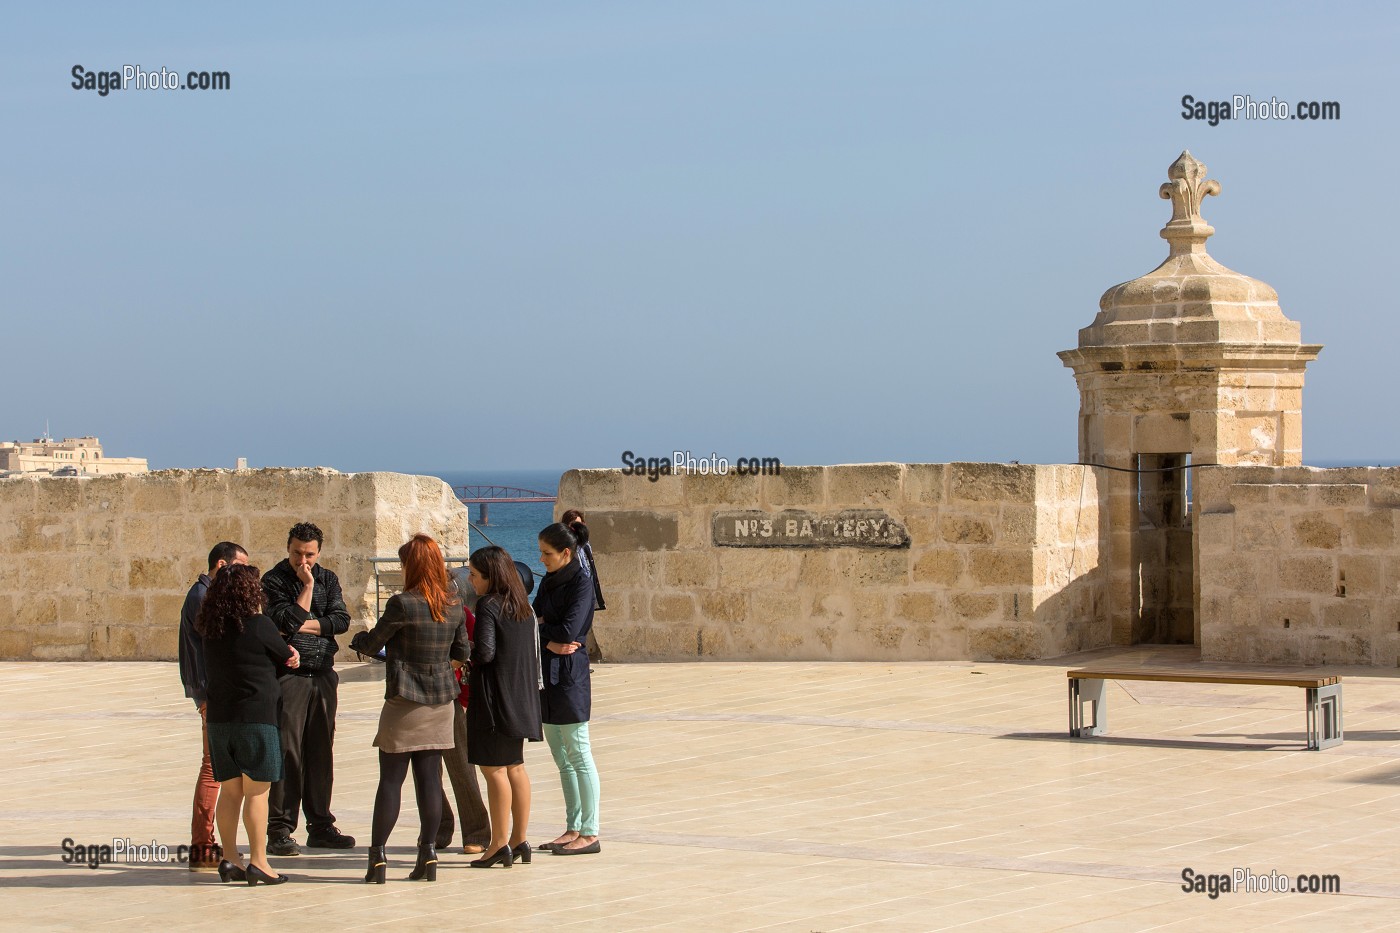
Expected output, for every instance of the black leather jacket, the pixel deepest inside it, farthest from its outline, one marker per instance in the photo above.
(327, 604)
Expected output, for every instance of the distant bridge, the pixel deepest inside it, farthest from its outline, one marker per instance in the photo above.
(487, 495)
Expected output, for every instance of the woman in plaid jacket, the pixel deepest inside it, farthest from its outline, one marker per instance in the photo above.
(424, 637)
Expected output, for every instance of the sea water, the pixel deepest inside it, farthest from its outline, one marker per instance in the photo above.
(514, 526)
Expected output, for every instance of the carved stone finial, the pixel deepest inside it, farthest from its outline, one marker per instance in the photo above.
(1186, 189)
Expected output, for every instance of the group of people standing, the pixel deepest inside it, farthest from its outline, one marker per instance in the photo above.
(256, 656)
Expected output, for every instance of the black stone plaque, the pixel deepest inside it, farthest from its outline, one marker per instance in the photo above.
(801, 528)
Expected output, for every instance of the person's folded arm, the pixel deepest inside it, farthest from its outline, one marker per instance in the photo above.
(282, 606)
(336, 619)
(569, 628)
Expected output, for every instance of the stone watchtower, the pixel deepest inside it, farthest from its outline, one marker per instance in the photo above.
(1190, 364)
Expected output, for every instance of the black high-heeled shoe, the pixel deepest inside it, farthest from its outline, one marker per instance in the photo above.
(254, 874)
(230, 872)
(378, 866)
(521, 852)
(501, 856)
(426, 867)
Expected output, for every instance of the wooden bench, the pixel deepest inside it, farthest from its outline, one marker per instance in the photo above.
(1323, 705)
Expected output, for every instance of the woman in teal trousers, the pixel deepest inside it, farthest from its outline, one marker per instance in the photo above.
(564, 606)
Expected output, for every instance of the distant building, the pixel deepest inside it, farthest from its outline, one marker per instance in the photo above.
(84, 454)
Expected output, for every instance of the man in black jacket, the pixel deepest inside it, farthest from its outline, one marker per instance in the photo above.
(304, 600)
(204, 850)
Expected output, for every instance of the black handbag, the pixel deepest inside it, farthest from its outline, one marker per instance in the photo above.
(317, 652)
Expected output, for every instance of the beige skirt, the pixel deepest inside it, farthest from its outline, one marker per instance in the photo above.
(405, 726)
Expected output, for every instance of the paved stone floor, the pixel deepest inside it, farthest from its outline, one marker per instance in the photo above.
(803, 797)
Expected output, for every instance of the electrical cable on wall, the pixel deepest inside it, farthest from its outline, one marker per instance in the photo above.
(1083, 480)
(1185, 466)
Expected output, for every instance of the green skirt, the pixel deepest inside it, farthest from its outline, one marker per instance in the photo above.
(251, 748)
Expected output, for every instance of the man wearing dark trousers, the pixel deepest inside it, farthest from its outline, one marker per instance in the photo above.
(304, 600)
(204, 851)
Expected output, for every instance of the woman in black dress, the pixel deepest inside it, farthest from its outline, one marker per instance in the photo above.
(242, 650)
(505, 701)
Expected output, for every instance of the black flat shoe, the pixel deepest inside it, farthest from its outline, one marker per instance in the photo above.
(254, 874)
(501, 856)
(230, 872)
(551, 846)
(521, 852)
(591, 849)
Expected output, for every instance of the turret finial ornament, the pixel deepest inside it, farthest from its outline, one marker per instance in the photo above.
(1186, 188)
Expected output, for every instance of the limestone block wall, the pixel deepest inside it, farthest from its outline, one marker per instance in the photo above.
(1001, 562)
(97, 568)
(1298, 565)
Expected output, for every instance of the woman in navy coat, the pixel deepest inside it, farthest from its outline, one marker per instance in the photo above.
(565, 608)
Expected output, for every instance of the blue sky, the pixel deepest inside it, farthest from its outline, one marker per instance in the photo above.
(464, 236)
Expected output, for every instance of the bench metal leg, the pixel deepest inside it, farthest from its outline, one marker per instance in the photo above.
(1324, 712)
(1091, 692)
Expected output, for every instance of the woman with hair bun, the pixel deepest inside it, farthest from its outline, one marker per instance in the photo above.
(571, 518)
(242, 651)
(425, 636)
(595, 650)
(565, 607)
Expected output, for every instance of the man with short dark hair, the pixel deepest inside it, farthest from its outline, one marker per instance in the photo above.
(304, 601)
(204, 851)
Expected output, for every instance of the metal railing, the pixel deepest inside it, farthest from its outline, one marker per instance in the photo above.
(389, 582)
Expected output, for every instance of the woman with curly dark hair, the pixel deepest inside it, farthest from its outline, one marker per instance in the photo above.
(242, 649)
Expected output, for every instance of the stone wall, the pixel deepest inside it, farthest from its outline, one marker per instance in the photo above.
(1298, 565)
(1000, 562)
(97, 568)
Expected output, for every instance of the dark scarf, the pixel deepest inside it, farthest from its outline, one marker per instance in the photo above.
(557, 578)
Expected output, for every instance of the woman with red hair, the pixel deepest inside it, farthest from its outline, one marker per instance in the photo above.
(424, 637)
